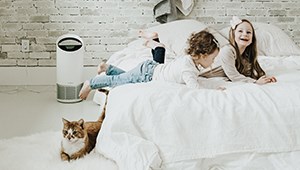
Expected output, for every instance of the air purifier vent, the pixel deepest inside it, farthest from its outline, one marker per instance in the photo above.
(68, 94)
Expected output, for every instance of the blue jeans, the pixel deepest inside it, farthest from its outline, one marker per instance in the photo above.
(116, 76)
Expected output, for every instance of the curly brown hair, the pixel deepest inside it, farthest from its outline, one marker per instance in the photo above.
(202, 43)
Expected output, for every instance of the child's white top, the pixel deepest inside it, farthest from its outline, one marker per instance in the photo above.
(181, 70)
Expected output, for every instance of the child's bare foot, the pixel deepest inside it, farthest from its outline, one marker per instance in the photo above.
(153, 44)
(85, 90)
(148, 35)
(102, 67)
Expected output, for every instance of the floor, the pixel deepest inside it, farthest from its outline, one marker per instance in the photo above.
(27, 110)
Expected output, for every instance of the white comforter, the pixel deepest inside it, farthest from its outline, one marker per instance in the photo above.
(157, 124)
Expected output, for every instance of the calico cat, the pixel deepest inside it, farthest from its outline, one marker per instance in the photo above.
(79, 137)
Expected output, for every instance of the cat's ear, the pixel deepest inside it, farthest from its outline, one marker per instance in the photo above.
(81, 122)
(65, 121)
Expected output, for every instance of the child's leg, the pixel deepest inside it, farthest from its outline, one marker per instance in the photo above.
(109, 69)
(148, 35)
(141, 73)
(113, 70)
(101, 81)
(158, 50)
(159, 54)
(102, 67)
(97, 82)
(156, 39)
(85, 90)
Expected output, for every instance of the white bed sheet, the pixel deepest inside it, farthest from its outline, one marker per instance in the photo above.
(160, 125)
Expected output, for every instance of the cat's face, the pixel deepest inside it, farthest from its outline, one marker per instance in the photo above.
(73, 131)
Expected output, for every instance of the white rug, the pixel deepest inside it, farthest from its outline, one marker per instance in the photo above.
(42, 152)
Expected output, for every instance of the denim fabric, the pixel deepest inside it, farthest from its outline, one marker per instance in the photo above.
(142, 73)
(113, 70)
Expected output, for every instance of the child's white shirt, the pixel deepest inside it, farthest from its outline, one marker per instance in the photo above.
(180, 70)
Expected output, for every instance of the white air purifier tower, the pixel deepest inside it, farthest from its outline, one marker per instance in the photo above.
(69, 68)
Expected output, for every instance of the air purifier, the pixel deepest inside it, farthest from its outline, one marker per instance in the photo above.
(69, 68)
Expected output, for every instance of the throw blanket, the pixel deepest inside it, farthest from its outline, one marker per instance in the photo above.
(166, 10)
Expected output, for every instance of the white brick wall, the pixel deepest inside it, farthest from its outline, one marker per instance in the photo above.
(106, 26)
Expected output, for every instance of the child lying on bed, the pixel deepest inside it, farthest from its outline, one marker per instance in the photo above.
(201, 52)
(238, 60)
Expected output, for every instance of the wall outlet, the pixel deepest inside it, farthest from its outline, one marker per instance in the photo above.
(25, 45)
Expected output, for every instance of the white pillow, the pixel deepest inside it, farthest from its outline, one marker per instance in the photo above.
(271, 40)
(174, 35)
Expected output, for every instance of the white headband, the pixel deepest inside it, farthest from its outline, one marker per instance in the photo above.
(216, 42)
(235, 21)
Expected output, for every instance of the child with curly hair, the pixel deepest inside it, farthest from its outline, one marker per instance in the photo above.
(201, 52)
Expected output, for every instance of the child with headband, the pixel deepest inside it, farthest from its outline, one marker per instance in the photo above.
(239, 58)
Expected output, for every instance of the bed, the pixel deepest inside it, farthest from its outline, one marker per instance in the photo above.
(166, 126)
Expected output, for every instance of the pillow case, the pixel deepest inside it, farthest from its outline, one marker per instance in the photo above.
(174, 35)
(271, 40)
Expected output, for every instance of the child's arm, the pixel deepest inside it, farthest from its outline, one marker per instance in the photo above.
(227, 57)
(190, 79)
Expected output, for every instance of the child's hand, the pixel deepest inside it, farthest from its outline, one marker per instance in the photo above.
(265, 80)
(221, 88)
(273, 79)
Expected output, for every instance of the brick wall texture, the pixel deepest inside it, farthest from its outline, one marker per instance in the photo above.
(107, 26)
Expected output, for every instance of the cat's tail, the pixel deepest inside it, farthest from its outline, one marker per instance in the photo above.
(102, 116)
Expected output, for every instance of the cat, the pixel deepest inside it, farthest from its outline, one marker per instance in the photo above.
(79, 137)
